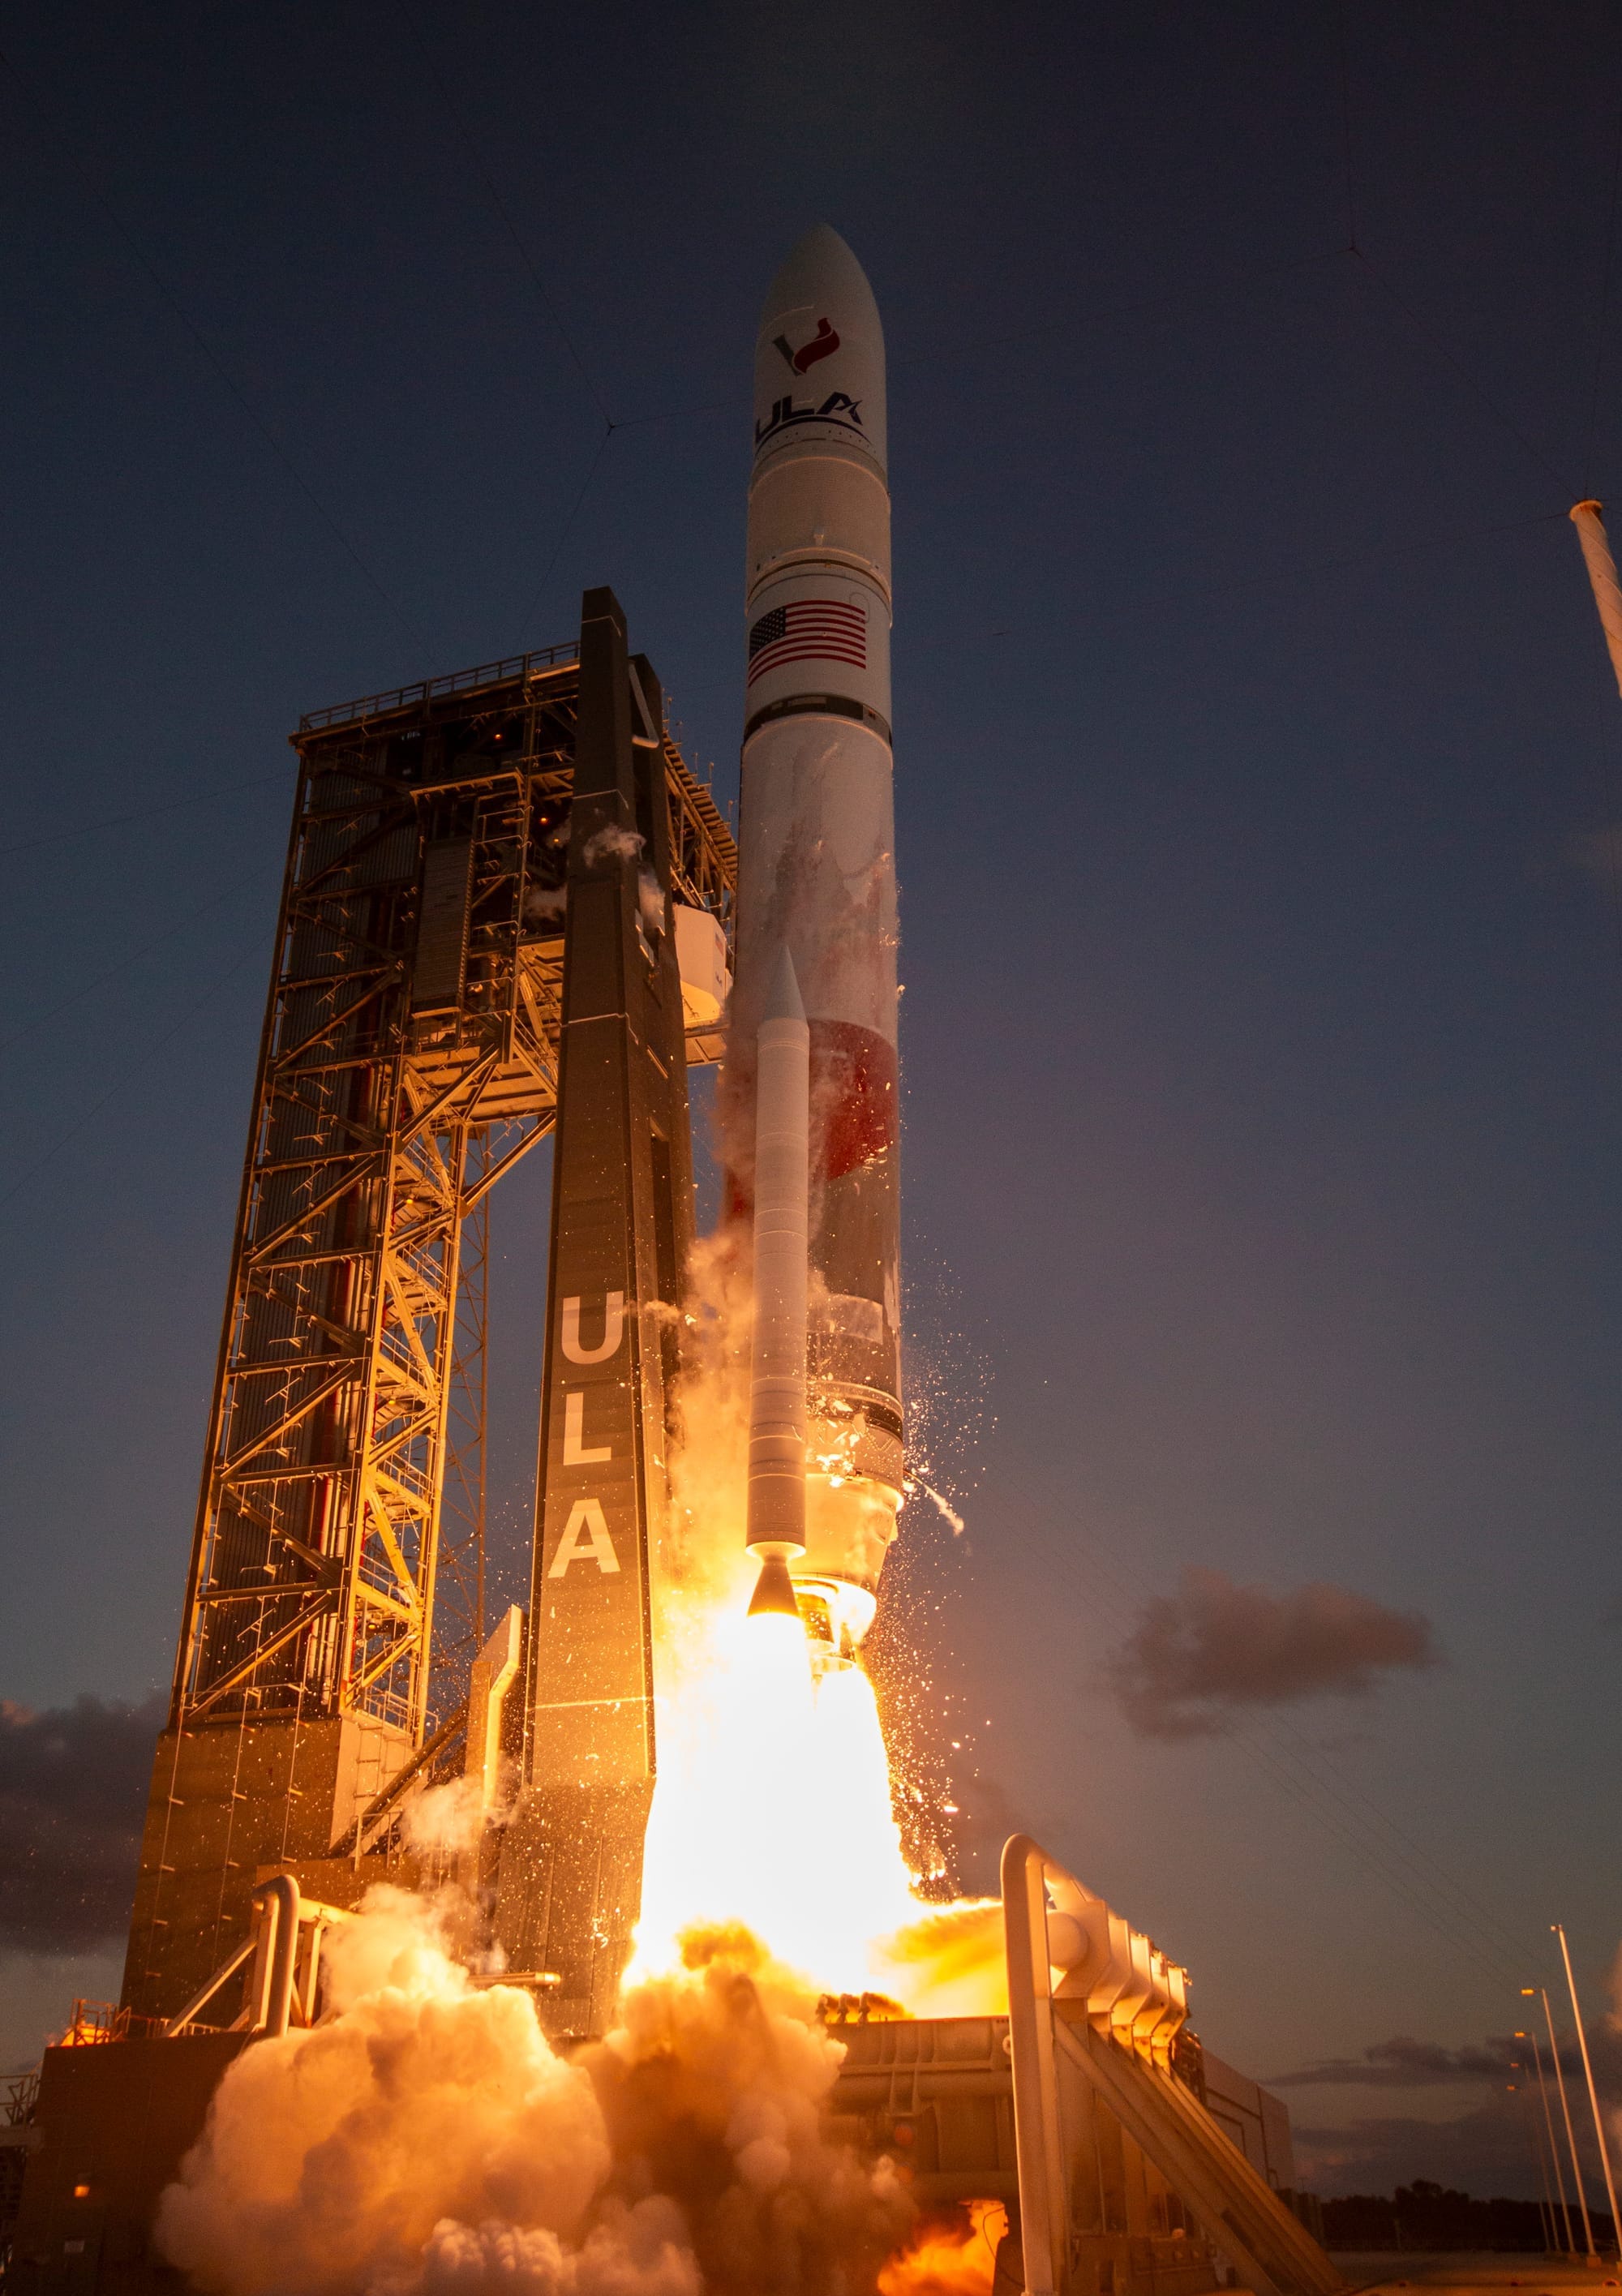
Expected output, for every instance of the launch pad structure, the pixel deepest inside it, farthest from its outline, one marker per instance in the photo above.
(507, 914)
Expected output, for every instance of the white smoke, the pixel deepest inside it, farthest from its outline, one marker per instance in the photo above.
(636, 2251)
(425, 2138)
(333, 2156)
(610, 840)
(445, 1820)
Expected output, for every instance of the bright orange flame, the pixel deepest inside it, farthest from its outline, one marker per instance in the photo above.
(949, 2262)
(773, 1809)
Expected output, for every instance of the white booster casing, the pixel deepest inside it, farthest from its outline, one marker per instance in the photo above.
(777, 1370)
(816, 875)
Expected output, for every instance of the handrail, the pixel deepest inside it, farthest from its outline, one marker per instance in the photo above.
(425, 689)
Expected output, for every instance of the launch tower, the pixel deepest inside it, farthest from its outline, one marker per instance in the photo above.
(488, 880)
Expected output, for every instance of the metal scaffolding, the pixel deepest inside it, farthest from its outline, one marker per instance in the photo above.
(409, 1059)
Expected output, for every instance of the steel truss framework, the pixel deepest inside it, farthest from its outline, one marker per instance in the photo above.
(409, 1059)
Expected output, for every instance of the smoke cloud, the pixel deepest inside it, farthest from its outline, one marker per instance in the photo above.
(73, 1784)
(424, 2137)
(1404, 2063)
(1484, 2151)
(1196, 1656)
(445, 1820)
(619, 844)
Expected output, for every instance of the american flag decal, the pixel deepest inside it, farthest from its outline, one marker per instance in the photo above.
(811, 629)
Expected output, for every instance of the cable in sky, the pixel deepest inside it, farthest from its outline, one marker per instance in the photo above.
(126, 962)
(563, 536)
(1603, 307)
(502, 209)
(1346, 136)
(1427, 335)
(127, 1076)
(143, 812)
(168, 296)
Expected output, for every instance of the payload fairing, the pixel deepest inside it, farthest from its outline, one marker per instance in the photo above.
(816, 878)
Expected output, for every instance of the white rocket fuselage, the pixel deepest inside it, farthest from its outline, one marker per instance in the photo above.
(816, 875)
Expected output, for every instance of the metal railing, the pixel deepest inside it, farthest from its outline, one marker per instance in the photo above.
(426, 689)
(95, 2022)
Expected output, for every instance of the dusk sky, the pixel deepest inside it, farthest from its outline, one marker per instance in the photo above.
(1260, 783)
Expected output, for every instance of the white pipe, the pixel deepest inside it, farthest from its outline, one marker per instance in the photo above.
(777, 1384)
(281, 1896)
(1602, 578)
(1038, 2152)
(494, 1672)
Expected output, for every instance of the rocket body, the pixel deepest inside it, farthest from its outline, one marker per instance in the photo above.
(816, 877)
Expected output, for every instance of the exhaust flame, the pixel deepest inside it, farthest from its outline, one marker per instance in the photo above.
(949, 2262)
(773, 1809)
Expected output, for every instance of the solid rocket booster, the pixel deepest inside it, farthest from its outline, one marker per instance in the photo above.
(777, 1371)
(816, 877)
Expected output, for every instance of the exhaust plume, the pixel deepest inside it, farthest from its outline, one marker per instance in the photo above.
(425, 2138)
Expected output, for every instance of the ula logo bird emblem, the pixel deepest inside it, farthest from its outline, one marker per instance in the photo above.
(822, 346)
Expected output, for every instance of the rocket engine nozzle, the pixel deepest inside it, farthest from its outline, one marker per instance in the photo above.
(773, 1590)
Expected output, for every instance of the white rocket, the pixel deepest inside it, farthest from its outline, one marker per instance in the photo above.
(816, 878)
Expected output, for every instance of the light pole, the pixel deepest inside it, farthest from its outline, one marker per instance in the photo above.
(1543, 2091)
(1560, 2084)
(1593, 2094)
(1546, 2206)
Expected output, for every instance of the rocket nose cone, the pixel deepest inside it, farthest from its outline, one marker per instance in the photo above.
(820, 268)
(819, 357)
(784, 1001)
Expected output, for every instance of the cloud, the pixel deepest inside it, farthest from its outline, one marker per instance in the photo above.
(73, 1782)
(1195, 1656)
(1598, 854)
(1404, 2063)
(1485, 2151)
